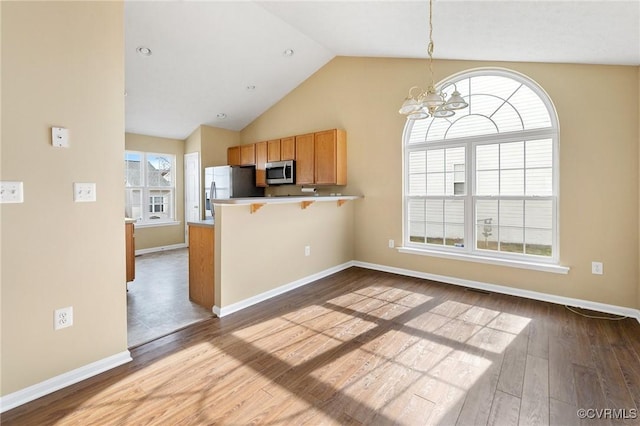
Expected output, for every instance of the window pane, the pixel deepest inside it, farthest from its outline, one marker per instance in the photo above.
(471, 125)
(159, 204)
(159, 170)
(539, 182)
(417, 217)
(454, 235)
(487, 182)
(487, 224)
(132, 169)
(540, 153)
(511, 239)
(512, 155)
(531, 108)
(435, 233)
(539, 242)
(435, 160)
(454, 222)
(512, 213)
(417, 162)
(538, 214)
(454, 211)
(133, 203)
(454, 165)
(487, 157)
(435, 184)
(512, 182)
(435, 221)
(418, 184)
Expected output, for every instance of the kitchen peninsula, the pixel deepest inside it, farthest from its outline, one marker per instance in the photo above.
(265, 246)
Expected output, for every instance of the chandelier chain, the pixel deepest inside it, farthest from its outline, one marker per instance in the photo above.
(430, 46)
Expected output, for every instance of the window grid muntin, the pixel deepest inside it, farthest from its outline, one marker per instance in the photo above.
(550, 132)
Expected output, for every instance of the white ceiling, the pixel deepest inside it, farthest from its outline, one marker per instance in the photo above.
(206, 53)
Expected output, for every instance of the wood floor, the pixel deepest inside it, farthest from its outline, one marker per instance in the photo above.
(366, 347)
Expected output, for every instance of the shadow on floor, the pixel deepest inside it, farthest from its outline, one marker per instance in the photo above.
(158, 299)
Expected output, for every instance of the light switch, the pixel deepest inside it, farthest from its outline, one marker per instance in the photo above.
(84, 192)
(60, 137)
(11, 192)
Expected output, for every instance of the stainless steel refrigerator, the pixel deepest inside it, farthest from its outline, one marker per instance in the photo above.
(229, 182)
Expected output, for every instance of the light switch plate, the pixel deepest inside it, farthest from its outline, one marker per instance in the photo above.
(60, 137)
(11, 192)
(84, 192)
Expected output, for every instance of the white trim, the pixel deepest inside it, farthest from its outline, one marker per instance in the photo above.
(545, 267)
(160, 248)
(235, 307)
(141, 224)
(527, 294)
(69, 378)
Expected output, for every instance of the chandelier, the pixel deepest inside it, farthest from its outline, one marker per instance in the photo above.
(421, 103)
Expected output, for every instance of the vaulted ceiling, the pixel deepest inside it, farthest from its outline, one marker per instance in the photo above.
(223, 63)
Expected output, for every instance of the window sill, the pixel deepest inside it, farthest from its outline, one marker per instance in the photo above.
(156, 225)
(545, 267)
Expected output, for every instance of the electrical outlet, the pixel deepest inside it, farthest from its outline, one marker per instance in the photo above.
(11, 192)
(63, 318)
(392, 244)
(307, 250)
(597, 268)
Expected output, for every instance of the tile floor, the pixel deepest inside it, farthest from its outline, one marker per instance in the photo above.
(158, 299)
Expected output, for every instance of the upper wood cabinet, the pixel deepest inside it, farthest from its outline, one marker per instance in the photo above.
(248, 155)
(288, 148)
(330, 167)
(304, 159)
(233, 156)
(273, 150)
(261, 159)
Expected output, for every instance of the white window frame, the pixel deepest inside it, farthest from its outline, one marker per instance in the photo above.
(145, 220)
(469, 251)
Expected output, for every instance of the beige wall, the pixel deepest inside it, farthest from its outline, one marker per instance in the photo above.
(62, 65)
(161, 236)
(258, 252)
(599, 180)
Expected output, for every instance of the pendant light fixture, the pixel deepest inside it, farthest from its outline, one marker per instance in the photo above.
(421, 103)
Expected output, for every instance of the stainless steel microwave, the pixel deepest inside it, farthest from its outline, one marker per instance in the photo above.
(280, 172)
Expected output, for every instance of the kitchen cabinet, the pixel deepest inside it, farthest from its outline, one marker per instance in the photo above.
(201, 273)
(273, 150)
(330, 157)
(248, 155)
(288, 148)
(130, 251)
(305, 159)
(233, 156)
(261, 159)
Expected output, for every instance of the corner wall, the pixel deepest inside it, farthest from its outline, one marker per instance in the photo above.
(62, 65)
(599, 157)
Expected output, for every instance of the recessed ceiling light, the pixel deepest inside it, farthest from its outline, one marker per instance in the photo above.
(221, 115)
(288, 52)
(144, 51)
(251, 88)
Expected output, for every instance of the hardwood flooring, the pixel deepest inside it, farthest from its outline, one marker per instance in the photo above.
(367, 347)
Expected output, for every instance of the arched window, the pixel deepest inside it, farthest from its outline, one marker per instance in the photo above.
(484, 182)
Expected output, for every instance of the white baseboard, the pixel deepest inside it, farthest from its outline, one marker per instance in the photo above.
(53, 384)
(160, 248)
(235, 307)
(528, 294)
